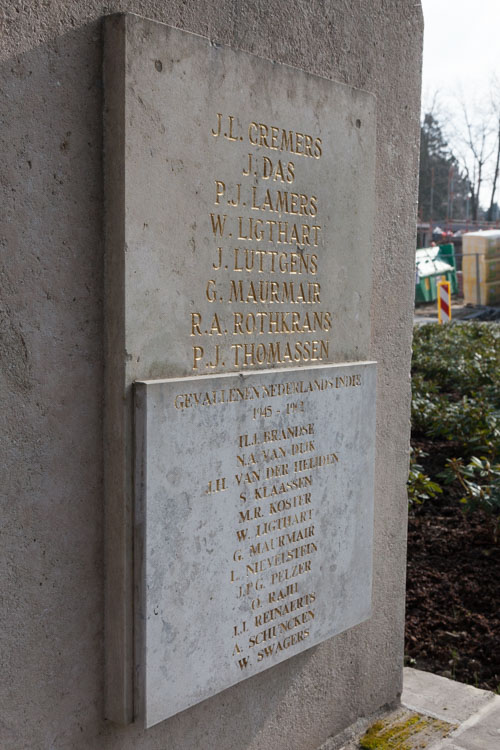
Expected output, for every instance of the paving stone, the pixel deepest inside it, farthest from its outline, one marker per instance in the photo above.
(439, 696)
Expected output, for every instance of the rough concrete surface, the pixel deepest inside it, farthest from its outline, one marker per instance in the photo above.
(441, 697)
(474, 713)
(51, 342)
(435, 713)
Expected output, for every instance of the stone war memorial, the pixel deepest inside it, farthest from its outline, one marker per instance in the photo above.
(206, 329)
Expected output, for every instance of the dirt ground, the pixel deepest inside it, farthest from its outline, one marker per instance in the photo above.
(429, 309)
(459, 311)
(453, 594)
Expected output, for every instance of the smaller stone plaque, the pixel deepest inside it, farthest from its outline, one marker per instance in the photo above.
(254, 514)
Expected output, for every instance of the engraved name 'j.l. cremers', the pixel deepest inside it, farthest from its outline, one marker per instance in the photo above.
(268, 136)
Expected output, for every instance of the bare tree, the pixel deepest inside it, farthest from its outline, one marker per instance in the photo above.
(495, 105)
(474, 148)
(489, 215)
(476, 142)
(472, 139)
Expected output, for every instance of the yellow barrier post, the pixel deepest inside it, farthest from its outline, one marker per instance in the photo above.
(444, 301)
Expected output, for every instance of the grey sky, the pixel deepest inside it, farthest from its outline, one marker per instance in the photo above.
(461, 57)
(461, 46)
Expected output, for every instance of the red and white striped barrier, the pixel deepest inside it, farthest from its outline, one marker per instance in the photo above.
(444, 301)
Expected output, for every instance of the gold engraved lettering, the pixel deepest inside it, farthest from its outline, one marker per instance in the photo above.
(218, 224)
(283, 627)
(229, 127)
(198, 352)
(252, 133)
(263, 131)
(276, 471)
(235, 200)
(271, 436)
(273, 292)
(247, 460)
(241, 534)
(273, 454)
(257, 230)
(280, 594)
(306, 447)
(215, 363)
(315, 462)
(216, 132)
(246, 172)
(231, 136)
(289, 503)
(250, 459)
(251, 514)
(261, 548)
(281, 322)
(270, 491)
(308, 145)
(220, 189)
(248, 478)
(217, 485)
(281, 558)
(274, 543)
(280, 201)
(289, 640)
(195, 324)
(210, 292)
(250, 587)
(219, 261)
(247, 355)
(280, 139)
(297, 535)
(239, 629)
(253, 260)
(267, 281)
(293, 571)
(215, 326)
(281, 610)
(283, 522)
(278, 171)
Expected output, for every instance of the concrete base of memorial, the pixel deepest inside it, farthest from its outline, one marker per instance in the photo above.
(435, 713)
(52, 363)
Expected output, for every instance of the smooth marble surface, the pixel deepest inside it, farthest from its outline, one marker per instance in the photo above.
(254, 505)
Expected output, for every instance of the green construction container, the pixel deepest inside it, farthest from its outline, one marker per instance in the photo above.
(434, 264)
(447, 253)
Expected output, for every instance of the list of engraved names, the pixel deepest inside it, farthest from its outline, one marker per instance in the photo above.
(248, 208)
(273, 480)
(255, 497)
(263, 275)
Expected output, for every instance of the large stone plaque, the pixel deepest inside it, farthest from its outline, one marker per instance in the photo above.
(239, 211)
(254, 505)
(249, 198)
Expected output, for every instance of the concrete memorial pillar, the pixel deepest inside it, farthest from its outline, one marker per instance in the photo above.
(209, 220)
